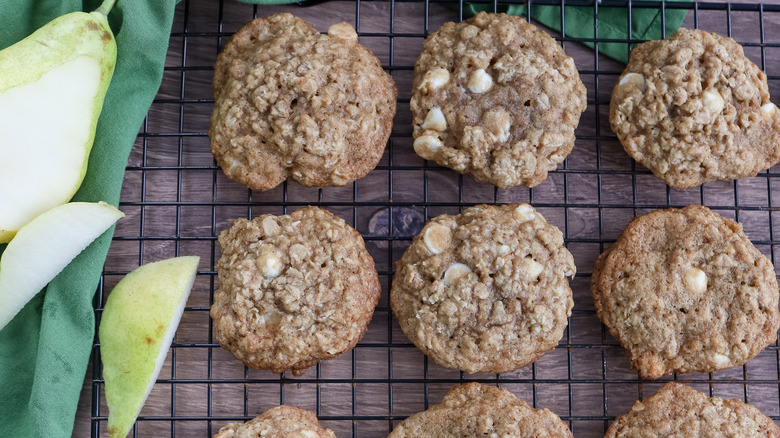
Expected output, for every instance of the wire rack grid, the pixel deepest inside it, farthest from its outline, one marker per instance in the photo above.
(177, 201)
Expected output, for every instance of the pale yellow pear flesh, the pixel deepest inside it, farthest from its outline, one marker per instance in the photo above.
(44, 246)
(41, 166)
(52, 86)
(137, 326)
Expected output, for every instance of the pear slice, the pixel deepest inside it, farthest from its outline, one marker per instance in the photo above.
(52, 86)
(44, 246)
(138, 323)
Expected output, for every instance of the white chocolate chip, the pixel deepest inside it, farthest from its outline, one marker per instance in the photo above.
(310, 433)
(456, 272)
(532, 268)
(503, 133)
(713, 102)
(437, 237)
(721, 360)
(635, 79)
(269, 264)
(524, 213)
(504, 250)
(434, 79)
(768, 109)
(480, 81)
(342, 30)
(427, 145)
(695, 280)
(435, 120)
(271, 227)
(338, 177)
(497, 121)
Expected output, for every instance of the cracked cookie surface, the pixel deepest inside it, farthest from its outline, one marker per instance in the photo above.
(679, 410)
(282, 422)
(293, 103)
(495, 97)
(293, 289)
(474, 409)
(694, 109)
(684, 290)
(485, 290)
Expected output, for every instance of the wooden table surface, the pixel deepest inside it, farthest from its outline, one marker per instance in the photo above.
(176, 201)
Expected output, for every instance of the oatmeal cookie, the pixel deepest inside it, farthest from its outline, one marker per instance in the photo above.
(280, 422)
(293, 103)
(693, 109)
(485, 290)
(293, 289)
(677, 410)
(474, 409)
(684, 290)
(495, 97)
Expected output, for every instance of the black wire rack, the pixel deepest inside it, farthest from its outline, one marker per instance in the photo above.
(177, 201)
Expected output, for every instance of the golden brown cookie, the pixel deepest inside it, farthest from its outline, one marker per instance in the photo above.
(495, 97)
(685, 290)
(693, 109)
(279, 422)
(293, 103)
(477, 410)
(485, 290)
(677, 410)
(293, 289)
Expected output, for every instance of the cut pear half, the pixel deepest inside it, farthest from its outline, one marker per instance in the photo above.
(52, 87)
(45, 128)
(137, 326)
(44, 246)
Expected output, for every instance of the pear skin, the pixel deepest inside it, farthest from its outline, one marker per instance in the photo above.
(137, 326)
(44, 246)
(52, 87)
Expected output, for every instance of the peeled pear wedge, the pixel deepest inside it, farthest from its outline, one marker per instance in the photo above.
(139, 320)
(52, 86)
(44, 246)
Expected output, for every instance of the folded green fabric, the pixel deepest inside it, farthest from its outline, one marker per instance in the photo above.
(646, 23)
(44, 351)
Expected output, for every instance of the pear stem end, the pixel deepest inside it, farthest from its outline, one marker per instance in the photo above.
(106, 7)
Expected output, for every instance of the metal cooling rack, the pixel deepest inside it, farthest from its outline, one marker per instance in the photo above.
(177, 201)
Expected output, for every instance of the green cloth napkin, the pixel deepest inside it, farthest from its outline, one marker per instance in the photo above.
(45, 349)
(646, 23)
